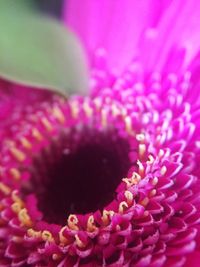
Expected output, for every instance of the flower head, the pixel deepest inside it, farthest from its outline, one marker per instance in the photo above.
(110, 179)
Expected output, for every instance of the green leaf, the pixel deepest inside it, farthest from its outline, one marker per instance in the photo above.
(38, 51)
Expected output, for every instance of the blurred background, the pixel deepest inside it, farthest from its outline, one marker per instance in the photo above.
(51, 7)
(38, 51)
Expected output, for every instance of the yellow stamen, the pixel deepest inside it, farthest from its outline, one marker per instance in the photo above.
(128, 125)
(151, 160)
(74, 109)
(16, 207)
(5, 189)
(140, 137)
(115, 110)
(16, 198)
(33, 233)
(154, 181)
(63, 239)
(58, 114)
(141, 168)
(142, 150)
(47, 236)
(124, 112)
(163, 170)
(26, 143)
(135, 179)
(15, 174)
(24, 218)
(88, 110)
(122, 207)
(161, 153)
(97, 101)
(36, 134)
(104, 118)
(152, 193)
(72, 222)
(107, 215)
(18, 154)
(91, 224)
(129, 197)
(47, 124)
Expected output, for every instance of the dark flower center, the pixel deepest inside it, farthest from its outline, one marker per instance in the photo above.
(79, 173)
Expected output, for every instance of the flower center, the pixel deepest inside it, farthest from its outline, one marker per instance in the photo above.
(79, 173)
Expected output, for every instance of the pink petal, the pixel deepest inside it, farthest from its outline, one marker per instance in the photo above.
(193, 259)
(121, 27)
(113, 25)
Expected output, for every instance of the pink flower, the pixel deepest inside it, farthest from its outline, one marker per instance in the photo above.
(110, 179)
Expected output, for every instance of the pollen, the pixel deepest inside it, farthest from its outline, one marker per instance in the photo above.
(115, 110)
(74, 107)
(15, 174)
(154, 181)
(26, 144)
(122, 207)
(140, 137)
(142, 150)
(133, 180)
(16, 207)
(141, 168)
(128, 125)
(58, 114)
(72, 222)
(5, 189)
(18, 154)
(62, 238)
(150, 160)
(152, 193)
(47, 236)
(161, 153)
(33, 233)
(107, 215)
(24, 218)
(88, 110)
(104, 118)
(129, 197)
(36, 134)
(98, 103)
(16, 198)
(47, 124)
(91, 224)
(163, 170)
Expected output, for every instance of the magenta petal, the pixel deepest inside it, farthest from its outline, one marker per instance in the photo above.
(193, 259)
(145, 261)
(106, 23)
(137, 134)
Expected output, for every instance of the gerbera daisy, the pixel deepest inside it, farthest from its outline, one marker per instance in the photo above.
(112, 178)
